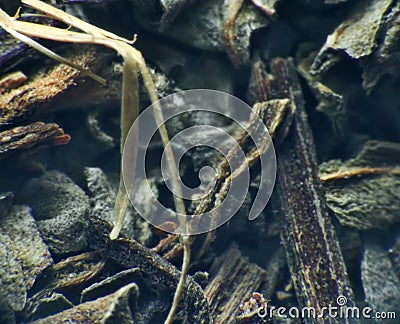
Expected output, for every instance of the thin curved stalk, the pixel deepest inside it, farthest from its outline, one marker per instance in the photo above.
(129, 105)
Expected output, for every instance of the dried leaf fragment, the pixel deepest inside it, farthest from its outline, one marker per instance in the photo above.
(23, 255)
(22, 102)
(233, 278)
(364, 192)
(370, 36)
(114, 308)
(381, 284)
(32, 136)
(357, 36)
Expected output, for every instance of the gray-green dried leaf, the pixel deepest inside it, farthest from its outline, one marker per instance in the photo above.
(330, 103)
(364, 192)
(23, 256)
(370, 35)
(60, 208)
(386, 59)
(381, 284)
(118, 307)
(357, 35)
(237, 41)
(395, 256)
(102, 194)
(45, 304)
(203, 25)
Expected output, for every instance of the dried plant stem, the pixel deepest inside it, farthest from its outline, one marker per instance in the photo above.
(5, 23)
(129, 103)
(182, 279)
(229, 35)
(357, 172)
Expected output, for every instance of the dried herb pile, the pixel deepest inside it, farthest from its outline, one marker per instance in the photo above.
(324, 77)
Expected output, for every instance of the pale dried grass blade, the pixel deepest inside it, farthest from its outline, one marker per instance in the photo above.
(71, 20)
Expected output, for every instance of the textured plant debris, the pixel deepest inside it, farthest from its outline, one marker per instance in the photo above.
(314, 257)
(380, 282)
(108, 285)
(70, 275)
(364, 192)
(11, 81)
(40, 92)
(368, 35)
(117, 307)
(61, 210)
(210, 25)
(232, 278)
(200, 44)
(44, 304)
(23, 255)
(30, 138)
(102, 194)
(129, 253)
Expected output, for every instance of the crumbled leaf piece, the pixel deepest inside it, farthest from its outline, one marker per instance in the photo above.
(23, 256)
(330, 103)
(102, 194)
(370, 35)
(70, 275)
(364, 192)
(233, 278)
(118, 307)
(238, 28)
(61, 209)
(385, 60)
(30, 138)
(76, 270)
(381, 284)
(357, 36)
(129, 254)
(44, 304)
(210, 25)
(56, 82)
(11, 81)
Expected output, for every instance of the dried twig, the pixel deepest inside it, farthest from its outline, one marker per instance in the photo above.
(313, 253)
